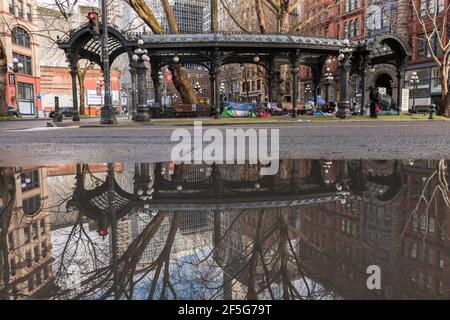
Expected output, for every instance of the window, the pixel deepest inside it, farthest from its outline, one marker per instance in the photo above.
(20, 37)
(10, 241)
(29, 13)
(13, 266)
(30, 284)
(42, 226)
(46, 272)
(26, 61)
(414, 249)
(37, 256)
(12, 6)
(31, 205)
(28, 259)
(38, 278)
(20, 8)
(26, 233)
(44, 249)
(33, 177)
(35, 231)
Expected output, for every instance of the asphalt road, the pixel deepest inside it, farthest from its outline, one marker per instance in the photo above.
(28, 144)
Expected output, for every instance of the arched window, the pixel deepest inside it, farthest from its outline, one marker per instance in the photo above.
(20, 37)
(31, 206)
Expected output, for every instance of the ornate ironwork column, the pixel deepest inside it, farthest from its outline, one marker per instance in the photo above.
(270, 78)
(344, 100)
(156, 84)
(142, 109)
(214, 78)
(73, 75)
(107, 112)
(140, 57)
(363, 67)
(133, 73)
(295, 62)
(400, 81)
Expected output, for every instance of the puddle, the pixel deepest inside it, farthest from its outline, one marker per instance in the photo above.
(318, 229)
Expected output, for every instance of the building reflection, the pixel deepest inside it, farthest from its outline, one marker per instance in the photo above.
(225, 231)
(27, 269)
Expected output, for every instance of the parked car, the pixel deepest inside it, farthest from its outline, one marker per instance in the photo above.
(65, 111)
(13, 112)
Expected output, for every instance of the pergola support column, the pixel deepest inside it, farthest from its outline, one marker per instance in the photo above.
(73, 75)
(344, 99)
(133, 73)
(214, 78)
(142, 109)
(156, 84)
(270, 79)
(400, 80)
(295, 62)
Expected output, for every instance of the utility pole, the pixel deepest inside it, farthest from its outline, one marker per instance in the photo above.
(107, 113)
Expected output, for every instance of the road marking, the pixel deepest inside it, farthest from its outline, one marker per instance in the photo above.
(43, 129)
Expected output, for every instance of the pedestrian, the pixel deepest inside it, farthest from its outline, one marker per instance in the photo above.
(374, 97)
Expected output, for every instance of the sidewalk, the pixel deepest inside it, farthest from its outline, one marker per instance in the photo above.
(207, 121)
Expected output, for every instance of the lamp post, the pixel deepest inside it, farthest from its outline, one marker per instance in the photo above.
(344, 100)
(245, 82)
(107, 113)
(328, 76)
(140, 57)
(197, 88)
(16, 67)
(307, 92)
(222, 95)
(414, 80)
(100, 84)
(259, 98)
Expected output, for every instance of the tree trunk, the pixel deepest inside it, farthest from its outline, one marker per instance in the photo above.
(81, 75)
(284, 16)
(173, 26)
(146, 14)
(261, 16)
(180, 77)
(214, 17)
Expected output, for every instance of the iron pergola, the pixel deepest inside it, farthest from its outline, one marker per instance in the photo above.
(214, 50)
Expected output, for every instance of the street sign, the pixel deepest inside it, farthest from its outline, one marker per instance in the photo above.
(405, 100)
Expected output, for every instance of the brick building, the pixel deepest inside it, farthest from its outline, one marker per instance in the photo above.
(19, 43)
(355, 20)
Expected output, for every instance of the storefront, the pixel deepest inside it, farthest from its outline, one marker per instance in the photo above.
(428, 90)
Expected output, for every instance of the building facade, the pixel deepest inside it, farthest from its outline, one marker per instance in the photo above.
(28, 239)
(20, 45)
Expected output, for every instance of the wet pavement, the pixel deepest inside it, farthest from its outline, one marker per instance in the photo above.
(318, 229)
(302, 140)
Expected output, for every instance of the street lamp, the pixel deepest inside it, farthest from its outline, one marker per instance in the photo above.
(99, 83)
(222, 95)
(259, 97)
(197, 88)
(328, 76)
(140, 57)
(344, 59)
(16, 67)
(414, 80)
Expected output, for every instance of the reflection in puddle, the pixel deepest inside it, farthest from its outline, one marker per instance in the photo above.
(165, 231)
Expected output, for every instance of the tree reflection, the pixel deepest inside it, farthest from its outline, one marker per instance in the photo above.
(224, 232)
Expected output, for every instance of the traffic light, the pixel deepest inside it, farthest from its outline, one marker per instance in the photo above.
(94, 26)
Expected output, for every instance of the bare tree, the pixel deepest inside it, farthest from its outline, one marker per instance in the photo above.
(434, 24)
